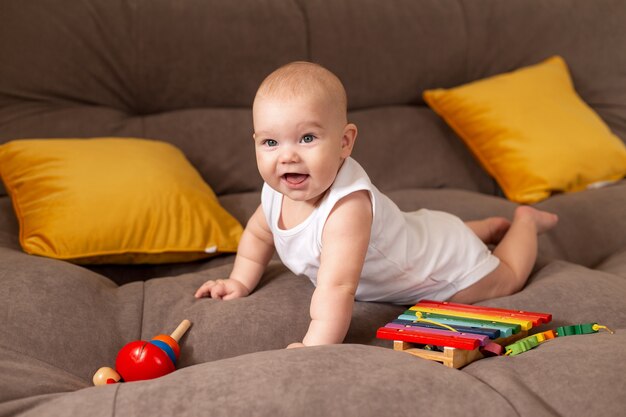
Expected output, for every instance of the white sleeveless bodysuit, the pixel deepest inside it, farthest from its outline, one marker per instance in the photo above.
(411, 256)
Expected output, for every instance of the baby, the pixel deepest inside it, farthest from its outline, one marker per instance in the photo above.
(327, 221)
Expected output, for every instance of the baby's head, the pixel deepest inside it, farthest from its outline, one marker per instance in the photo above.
(301, 131)
(305, 80)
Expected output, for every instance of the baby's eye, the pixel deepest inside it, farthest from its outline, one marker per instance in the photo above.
(307, 139)
(270, 142)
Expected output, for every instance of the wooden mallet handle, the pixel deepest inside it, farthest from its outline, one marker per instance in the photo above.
(181, 329)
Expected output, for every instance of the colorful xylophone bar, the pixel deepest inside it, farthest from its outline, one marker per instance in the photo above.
(434, 325)
(536, 318)
(504, 329)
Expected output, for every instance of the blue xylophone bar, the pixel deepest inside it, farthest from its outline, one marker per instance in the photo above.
(490, 333)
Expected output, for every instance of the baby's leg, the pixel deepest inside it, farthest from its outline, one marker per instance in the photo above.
(517, 253)
(490, 230)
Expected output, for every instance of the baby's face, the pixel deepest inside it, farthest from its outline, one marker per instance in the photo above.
(300, 144)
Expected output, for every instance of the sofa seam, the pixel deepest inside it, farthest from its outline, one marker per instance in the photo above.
(114, 405)
(496, 189)
(139, 67)
(498, 393)
(143, 308)
(461, 4)
(2, 346)
(307, 29)
(546, 404)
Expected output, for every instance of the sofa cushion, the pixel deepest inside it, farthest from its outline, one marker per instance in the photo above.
(409, 147)
(516, 123)
(98, 318)
(109, 200)
(335, 380)
(615, 264)
(557, 376)
(578, 290)
(558, 372)
(591, 225)
(220, 362)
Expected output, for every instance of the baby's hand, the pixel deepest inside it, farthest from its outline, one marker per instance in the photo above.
(222, 289)
(296, 345)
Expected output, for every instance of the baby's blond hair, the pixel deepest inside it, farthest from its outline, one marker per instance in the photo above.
(305, 78)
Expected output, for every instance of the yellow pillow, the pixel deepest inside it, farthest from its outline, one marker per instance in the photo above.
(532, 132)
(113, 200)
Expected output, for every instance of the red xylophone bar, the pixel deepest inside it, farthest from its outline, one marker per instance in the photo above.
(482, 339)
(414, 336)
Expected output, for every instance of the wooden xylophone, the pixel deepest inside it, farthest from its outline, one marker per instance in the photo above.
(458, 334)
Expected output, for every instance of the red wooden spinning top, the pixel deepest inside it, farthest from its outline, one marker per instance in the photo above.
(141, 359)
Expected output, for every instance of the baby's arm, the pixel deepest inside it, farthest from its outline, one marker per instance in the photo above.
(345, 240)
(255, 250)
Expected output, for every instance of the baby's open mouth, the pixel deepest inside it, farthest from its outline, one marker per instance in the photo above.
(295, 179)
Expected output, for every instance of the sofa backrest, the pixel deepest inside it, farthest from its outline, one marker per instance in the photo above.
(186, 72)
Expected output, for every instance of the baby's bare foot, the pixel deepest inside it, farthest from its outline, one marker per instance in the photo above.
(543, 220)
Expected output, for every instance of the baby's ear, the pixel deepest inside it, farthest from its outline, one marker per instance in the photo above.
(348, 139)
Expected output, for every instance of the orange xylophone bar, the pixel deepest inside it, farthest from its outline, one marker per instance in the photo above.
(534, 317)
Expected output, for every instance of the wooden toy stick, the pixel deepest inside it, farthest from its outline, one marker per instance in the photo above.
(181, 329)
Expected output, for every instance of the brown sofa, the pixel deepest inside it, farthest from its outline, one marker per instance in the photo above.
(186, 72)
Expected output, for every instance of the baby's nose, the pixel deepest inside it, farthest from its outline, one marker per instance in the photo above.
(288, 154)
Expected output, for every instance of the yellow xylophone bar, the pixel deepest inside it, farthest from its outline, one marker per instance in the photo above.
(524, 324)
